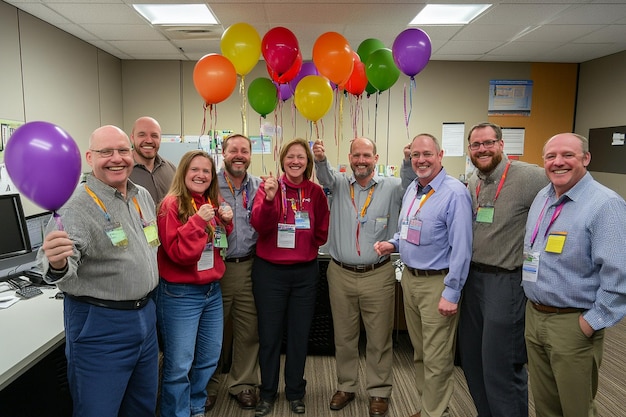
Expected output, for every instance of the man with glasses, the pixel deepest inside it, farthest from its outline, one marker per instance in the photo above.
(491, 326)
(435, 244)
(150, 170)
(104, 261)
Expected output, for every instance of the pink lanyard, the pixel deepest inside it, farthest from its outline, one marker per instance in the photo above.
(556, 213)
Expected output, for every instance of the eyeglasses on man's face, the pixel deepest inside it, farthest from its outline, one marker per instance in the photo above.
(425, 155)
(488, 144)
(107, 153)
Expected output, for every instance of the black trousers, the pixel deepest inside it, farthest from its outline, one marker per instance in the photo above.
(285, 300)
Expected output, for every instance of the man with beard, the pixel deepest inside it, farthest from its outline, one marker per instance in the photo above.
(150, 170)
(238, 189)
(491, 327)
(361, 283)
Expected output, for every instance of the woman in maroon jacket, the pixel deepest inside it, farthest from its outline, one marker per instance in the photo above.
(291, 215)
(192, 229)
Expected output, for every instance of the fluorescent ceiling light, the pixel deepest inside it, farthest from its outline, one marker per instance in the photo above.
(448, 14)
(176, 14)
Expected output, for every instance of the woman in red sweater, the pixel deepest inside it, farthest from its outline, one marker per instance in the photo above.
(192, 229)
(291, 216)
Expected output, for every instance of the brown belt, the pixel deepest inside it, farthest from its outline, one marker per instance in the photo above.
(555, 310)
(114, 304)
(240, 259)
(361, 268)
(490, 269)
(426, 272)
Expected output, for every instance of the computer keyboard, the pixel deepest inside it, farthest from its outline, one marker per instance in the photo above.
(29, 291)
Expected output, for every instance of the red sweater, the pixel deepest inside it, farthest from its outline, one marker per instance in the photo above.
(267, 214)
(182, 245)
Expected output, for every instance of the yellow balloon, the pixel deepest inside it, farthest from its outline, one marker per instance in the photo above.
(241, 44)
(313, 97)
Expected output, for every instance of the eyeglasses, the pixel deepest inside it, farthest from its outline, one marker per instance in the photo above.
(426, 155)
(107, 153)
(488, 144)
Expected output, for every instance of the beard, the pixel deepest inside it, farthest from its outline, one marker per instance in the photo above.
(496, 158)
(236, 170)
(360, 174)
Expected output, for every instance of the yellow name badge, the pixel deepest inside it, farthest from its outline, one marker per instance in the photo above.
(555, 242)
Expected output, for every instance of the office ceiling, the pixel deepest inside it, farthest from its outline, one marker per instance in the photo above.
(571, 31)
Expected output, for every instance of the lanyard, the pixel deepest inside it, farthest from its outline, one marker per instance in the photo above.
(213, 221)
(422, 201)
(294, 207)
(556, 213)
(500, 184)
(244, 191)
(361, 214)
(104, 209)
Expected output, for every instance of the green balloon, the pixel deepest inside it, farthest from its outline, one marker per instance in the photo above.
(380, 69)
(367, 47)
(263, 96)
(370, 89)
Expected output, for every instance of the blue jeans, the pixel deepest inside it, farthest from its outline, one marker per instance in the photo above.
(112, 360)
(191, 322)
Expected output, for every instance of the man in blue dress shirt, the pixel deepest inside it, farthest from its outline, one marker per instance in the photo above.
(574, 276)
(435, 244)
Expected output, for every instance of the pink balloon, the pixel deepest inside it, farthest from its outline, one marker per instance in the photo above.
(411, 51)
(43, 162)
(280, 49)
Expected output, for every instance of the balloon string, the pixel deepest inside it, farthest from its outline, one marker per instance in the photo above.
(203, 127)
(341, 95)
(406, 115)
(57, 220)
(262, 145)
(411, 89)
(244, 105)
(376, 116)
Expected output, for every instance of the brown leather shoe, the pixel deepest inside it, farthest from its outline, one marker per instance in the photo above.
(246, 399)
(210, 402)
(341, 399)
(379, 406)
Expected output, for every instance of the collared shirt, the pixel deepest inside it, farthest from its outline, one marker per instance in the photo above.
(590, 272)
(97, 268)
(156, 182)
(446, 234)
(381, 214)
(242, 240)
(501, 243)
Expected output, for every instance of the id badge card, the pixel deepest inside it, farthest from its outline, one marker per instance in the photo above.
(152, 236)
(556, 241)
(302, 220)
(286, 236)
(415, 229)
(530, 266)
(116, 235)
(485, 214)
(207, 258)
(220, 240)
(404, 229)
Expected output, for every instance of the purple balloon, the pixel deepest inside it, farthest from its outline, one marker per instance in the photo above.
(411, 51)
(44, 163)
(308, 68)
(284, 91)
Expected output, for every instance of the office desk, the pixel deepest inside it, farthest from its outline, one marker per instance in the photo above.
(29, 330)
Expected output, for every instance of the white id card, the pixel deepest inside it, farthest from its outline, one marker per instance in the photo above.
(530, 266)
(206, 260)
(286, 236)
(404, 229)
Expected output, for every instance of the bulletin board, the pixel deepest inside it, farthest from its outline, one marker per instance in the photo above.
(607, 155)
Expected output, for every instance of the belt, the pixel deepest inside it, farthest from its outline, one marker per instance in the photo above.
(426, 272)
(240, 259)
(555, 310)
(114, 304)
(490, 269)
(361, 268)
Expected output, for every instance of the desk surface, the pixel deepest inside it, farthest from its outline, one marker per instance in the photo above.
(29, 330)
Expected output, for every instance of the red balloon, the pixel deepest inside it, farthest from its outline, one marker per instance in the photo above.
(215, 78)
(290, 74)
(358, 79)
(280, 49)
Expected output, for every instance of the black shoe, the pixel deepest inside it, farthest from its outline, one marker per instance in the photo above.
(263, 408)
(297, 406)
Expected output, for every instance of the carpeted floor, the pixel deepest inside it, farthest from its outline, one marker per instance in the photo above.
(321, 384)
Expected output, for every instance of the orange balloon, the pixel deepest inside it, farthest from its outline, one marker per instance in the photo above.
(333, 58)
(215, 78)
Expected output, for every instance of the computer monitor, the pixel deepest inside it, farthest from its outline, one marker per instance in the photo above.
(36, 225)
(14, 238)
